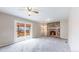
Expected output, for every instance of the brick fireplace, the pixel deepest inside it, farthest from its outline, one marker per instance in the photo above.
(53, 29)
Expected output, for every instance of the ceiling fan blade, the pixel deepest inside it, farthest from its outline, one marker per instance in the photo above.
(35, 12)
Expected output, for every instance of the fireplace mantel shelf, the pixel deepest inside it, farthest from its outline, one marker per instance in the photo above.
(54, 28)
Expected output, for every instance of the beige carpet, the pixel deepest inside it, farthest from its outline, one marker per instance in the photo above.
(44, 44)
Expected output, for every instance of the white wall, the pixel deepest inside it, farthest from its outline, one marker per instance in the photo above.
(64, 28)
(7, 28)
(74, 29)
(43, 30)
(36, 30)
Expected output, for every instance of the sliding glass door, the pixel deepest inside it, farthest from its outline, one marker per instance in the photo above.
(23, 30)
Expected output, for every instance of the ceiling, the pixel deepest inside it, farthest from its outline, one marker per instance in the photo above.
(46, 14)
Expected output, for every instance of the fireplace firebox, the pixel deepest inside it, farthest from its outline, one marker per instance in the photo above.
(52, 33)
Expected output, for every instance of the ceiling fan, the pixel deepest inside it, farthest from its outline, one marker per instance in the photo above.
(32, 11)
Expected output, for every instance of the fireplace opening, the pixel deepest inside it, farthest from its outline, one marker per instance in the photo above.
(52, 33)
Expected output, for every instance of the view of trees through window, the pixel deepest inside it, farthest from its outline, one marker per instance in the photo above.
(23, 29)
